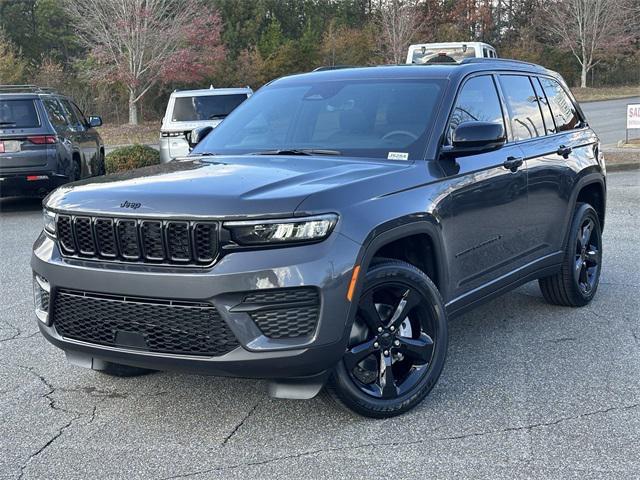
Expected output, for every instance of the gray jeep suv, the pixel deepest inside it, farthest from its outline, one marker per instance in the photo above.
(324, 233)
(45, 141)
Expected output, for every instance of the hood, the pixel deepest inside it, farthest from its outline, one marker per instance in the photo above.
(219, 187)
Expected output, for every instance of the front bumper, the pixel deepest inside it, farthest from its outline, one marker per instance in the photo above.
(326, 266)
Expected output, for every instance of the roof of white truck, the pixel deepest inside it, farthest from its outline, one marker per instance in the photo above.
(211, 91)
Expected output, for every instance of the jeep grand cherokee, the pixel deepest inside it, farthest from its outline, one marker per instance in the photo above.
(323, 234)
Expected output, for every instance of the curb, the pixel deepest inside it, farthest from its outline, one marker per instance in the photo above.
(626, 97)
(622, 167)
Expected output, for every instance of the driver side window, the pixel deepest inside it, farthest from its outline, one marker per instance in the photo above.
(477, 101)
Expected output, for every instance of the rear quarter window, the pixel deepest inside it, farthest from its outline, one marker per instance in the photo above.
(18, 114)
(563, 109)
(56, 113)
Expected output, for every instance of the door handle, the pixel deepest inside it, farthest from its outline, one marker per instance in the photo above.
(513, 163)
(564, 151)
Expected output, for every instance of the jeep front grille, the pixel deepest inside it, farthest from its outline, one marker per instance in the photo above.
(154, 325)
(135, 240)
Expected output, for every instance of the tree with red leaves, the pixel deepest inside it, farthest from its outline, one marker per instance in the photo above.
(143, 43)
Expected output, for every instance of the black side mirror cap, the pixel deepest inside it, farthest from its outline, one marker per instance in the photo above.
(197, 135)
(475, 137)
(95, 121)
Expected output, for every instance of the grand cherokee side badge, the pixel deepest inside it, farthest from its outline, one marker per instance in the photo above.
(128, 204)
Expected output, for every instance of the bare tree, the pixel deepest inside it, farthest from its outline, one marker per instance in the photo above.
(400, 20)
(141, 43)
(588, 28)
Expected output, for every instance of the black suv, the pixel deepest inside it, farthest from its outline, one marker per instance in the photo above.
(327, 229)
(45, 141)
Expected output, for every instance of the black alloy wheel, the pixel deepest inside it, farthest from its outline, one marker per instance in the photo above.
(397, 343)
(577, 282)
(587, 256)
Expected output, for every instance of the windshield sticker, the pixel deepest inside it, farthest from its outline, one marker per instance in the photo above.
(398, 156)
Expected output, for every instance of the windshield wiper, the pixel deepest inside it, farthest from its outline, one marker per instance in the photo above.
(298, 151)
(7, 123)
(218, 115)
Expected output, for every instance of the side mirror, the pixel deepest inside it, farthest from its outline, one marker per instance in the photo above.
(475, 137)
(197, 135)
(95, 121)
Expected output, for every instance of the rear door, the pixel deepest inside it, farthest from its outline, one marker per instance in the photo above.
(529, 127)
(24, 137)
(554, 163)
(483, 225)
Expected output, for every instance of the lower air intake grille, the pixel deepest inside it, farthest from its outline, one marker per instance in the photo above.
(154, 325)
(284, 313)
(289, 323)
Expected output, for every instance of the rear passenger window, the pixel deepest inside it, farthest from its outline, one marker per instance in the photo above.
(477, 101)
(564, 111)
(56, 113)
(526, 119)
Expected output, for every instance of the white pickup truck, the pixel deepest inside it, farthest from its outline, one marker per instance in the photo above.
(189, 109)
(422, 53)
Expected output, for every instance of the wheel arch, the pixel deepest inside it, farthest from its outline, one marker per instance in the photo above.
(591, 188)
(593, 193)
(384, 238)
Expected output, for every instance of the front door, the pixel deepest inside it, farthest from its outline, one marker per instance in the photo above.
(483, 215)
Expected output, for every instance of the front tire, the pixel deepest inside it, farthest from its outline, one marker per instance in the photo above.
(397, 345)
(577, 282)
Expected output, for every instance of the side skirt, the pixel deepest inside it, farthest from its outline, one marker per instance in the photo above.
(547, 265)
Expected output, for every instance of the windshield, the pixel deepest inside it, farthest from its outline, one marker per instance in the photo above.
(359, 118)
(428, 54)
(18, 114)
(205, 107)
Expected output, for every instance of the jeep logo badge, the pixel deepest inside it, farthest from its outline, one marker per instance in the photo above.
(128, 204)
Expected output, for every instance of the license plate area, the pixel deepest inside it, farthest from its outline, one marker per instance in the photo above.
(9, 146)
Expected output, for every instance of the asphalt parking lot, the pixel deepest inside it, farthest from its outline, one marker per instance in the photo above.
(529, 391)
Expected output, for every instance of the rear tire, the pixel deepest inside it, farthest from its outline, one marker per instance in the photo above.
(119, 370)
(397, 345)
(101, 165)
(577, 282)
(76, 171)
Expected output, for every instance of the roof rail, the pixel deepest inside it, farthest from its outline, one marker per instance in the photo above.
(334, 67)
(25, 89)
(498, 60)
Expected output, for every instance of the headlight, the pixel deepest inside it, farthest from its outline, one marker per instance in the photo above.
(49, 218)
(269, 232)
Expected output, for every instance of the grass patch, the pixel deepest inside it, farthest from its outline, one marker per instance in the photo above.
(147, 132)
(605, 93)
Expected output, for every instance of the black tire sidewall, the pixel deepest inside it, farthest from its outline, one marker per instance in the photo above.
(583, 212)
(345, 388)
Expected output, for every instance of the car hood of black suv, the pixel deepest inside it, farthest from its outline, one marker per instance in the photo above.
(220, 187)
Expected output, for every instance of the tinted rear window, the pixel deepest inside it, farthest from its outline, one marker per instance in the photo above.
(211, 107)
(18, 114)
(564, 112)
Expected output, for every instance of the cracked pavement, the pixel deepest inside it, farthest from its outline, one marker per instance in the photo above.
(529, 391)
